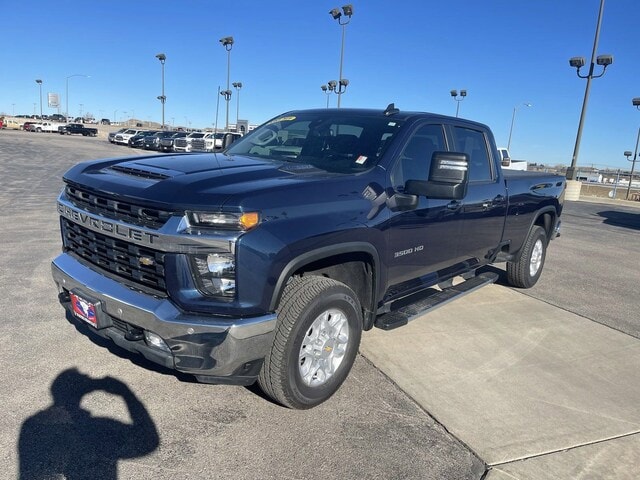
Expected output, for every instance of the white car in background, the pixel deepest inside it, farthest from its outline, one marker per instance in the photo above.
(184, 144)
(123, 138)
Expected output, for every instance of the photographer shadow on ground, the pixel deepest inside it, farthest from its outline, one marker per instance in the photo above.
(67, 441)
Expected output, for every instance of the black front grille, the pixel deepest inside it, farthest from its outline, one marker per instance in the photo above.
(140, 265)
(198, 144)
(116, 209)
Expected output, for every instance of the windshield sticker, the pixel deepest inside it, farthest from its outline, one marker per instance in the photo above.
(282, 119)
(361, 159)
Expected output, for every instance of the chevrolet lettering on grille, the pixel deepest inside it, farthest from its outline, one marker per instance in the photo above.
(101, 225)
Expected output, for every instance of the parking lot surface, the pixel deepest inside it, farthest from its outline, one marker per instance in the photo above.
(502, 384)
(184, 430)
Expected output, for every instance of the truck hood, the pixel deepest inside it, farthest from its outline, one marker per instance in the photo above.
(185, 181)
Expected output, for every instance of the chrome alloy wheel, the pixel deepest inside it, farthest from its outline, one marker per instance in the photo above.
(323, 347)
(536, 258)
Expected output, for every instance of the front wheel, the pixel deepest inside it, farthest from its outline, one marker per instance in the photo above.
(316, 341)
(526, 270)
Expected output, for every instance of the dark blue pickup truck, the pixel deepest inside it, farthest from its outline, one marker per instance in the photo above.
(267, 261)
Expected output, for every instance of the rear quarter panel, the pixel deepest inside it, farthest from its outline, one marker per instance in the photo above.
(531, 195)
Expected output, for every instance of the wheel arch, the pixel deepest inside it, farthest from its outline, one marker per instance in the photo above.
(356, 264)
(546, 218)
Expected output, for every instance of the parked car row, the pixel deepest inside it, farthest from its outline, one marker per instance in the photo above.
(169, 140)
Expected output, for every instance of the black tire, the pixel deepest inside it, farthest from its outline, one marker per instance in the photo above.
(526, 270)
(306, 301)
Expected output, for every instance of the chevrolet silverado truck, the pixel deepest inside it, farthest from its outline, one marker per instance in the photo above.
(267, 261)
(77, 129)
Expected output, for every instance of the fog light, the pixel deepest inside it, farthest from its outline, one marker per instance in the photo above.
(154, 340)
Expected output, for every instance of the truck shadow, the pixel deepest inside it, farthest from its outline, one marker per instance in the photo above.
(621, 219)
(66, 440)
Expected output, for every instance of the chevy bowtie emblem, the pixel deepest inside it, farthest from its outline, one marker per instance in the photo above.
(146, 261)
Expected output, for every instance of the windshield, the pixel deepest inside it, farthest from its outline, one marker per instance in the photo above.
(341, 142)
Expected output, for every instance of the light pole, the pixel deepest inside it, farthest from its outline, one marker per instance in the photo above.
(328, 88)
(227, 96)
(633, 165)
(513, 118)
(227, 43)
(458, 98)
(237, 86)
(636, 103)
(66, 113)
(39, 82)
(577, 63)
(162, 57)
(347, 10)
(337, 87)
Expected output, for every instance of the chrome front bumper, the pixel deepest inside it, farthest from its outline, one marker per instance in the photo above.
(214, 349)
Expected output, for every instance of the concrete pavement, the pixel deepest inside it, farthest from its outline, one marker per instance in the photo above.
(535, 391)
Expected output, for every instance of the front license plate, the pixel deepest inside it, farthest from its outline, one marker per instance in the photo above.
(84, 310)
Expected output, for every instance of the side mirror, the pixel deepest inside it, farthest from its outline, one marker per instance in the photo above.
(228, 139)
(448, 177)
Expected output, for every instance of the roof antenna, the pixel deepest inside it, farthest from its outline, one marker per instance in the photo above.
(391, 110)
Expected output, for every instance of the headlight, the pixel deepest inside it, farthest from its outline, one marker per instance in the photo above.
(227, 221)
(215, 274)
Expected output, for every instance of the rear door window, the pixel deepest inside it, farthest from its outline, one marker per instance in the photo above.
(474, 143)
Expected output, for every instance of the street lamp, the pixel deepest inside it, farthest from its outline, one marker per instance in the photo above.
(454, 95)
(633, 165)
(577, 63)
(227, 97)
(227, 43)
(636, 103)
(237, 86)
(337, 87)
(328, 88)
(347, 10)
(162, 57)
(39, 82)
(66, 113)
(513, 118)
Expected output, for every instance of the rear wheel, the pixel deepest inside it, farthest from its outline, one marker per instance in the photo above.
(316, 341)
(526, 270)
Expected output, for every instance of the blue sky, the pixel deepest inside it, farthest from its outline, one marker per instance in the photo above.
(412, 53)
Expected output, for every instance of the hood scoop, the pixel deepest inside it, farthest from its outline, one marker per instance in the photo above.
(138, 172)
